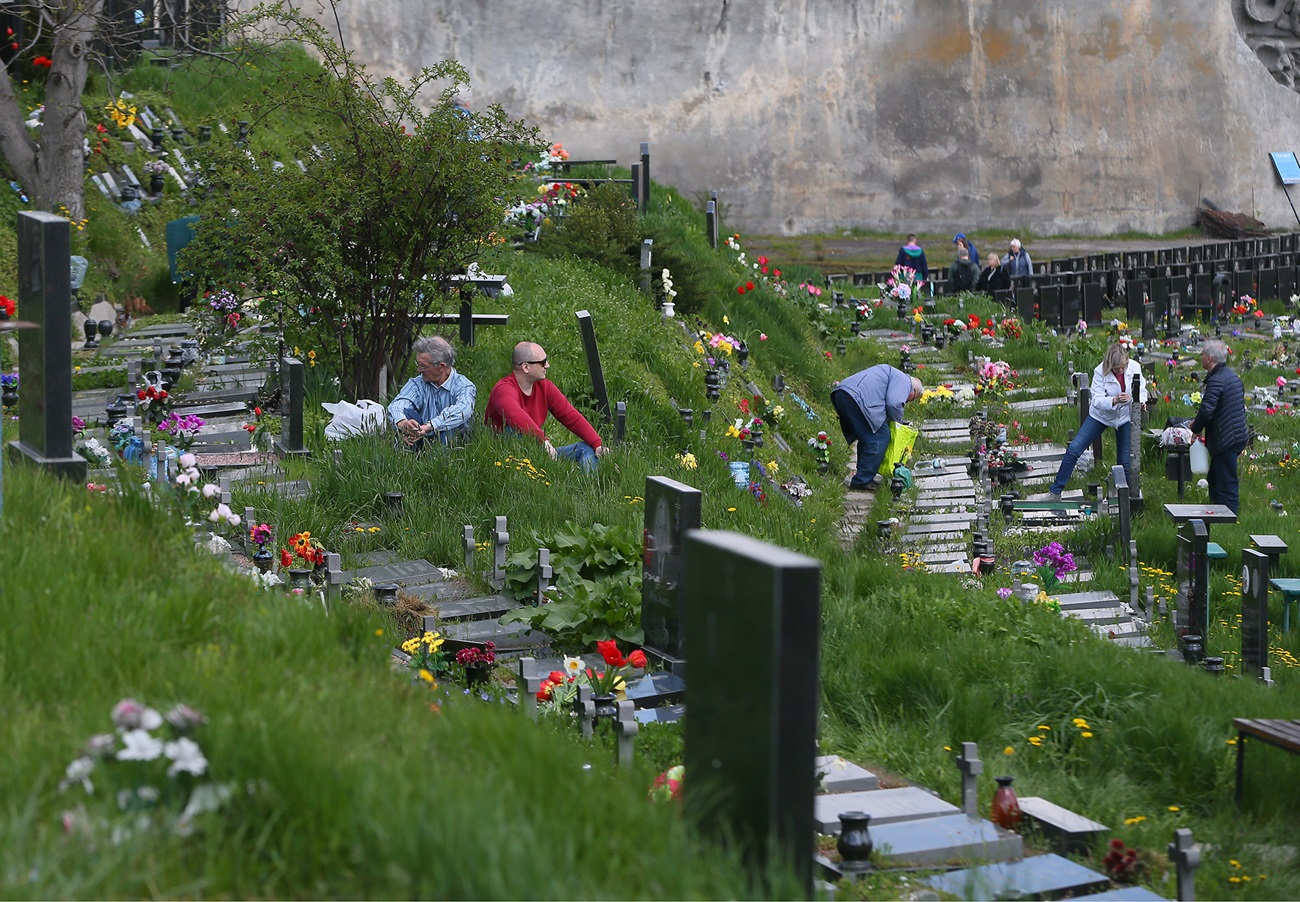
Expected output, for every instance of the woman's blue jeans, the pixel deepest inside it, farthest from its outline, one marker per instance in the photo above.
(1086, 435)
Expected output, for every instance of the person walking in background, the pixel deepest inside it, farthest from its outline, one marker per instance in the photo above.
(961, 241)
(964, 272)
(866, 402)
(913, 256)
(993, 277)
(1018, 262)
(1222, 417)
(1112, 383)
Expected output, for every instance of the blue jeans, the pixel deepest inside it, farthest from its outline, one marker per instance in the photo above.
(872, 443)
(582, 453)
(1087, 434)
(1223, 478)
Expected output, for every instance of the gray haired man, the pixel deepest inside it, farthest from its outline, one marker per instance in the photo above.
(438, 402)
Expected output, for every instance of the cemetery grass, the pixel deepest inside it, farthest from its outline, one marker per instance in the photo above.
(346, 782)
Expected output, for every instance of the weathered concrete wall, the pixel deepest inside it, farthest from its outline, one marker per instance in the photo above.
(808, 115)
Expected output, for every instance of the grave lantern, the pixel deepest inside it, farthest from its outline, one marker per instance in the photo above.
(105, 328)
(205, 134)
(855, 327)
(156, 136)
(742, 351)
(178, 134)
(711, 385)
(90, 327)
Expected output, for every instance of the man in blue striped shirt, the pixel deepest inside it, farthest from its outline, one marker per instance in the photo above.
(437, 404)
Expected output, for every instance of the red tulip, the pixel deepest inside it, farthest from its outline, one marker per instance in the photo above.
(556, 677)
(749, 286)
(286, 559)
(637, 659)
(140, 394)
(740, 289)
(609, 651)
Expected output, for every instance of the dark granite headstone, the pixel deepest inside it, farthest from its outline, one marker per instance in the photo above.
(290, 442)
(711, 223)
(643, 197)
(1286, 284)
(593, 363)
(751, 743)
(1092, 301)
(1071, 304)
(1049, 305)
(45, 352)
(671, 510)
(1254, 611)
(1025, 303)
(1192, 611)
(1267, 284)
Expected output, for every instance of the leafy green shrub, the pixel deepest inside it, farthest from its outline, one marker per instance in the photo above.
(597, 585)
(602, 227)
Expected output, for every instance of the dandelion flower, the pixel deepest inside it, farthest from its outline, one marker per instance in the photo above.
(1008, 751)
(1174, 808)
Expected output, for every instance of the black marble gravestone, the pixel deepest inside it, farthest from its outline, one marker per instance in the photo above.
(593, 364)
(753, 628)
(1049, 305)
(1092, 302)
(45, 352)
(1254, 611)
(1192, 612)
(1025, 303)
(291, 442)
(1071, 305)
(672, 509)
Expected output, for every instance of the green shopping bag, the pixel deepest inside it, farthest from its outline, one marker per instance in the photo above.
(902, 438)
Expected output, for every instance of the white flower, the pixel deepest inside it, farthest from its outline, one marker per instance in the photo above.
(188, 460)
(138, 745)
(101, 745)
(183, 480)
(129, 714)
(223, 512)
(210, 490)
(78, 772)
(573, 666)
(186, 756)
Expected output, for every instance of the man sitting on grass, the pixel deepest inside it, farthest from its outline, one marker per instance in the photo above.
(438, 403)
(520, 401)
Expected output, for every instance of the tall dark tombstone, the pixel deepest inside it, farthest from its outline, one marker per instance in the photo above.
(711, 223)
(593, 364)
(45, 352)
(1148, 323)
(1286, 284)
(1049, 305)
(1267, 284)
(1139, 291)
(644, 198)
(1025, 303)
(1243, 282)
(751, 742)
(1092, 301)
(291, 404)
(1120, 492)
(1254, 612)
(1004, 299)
(1071, 304)
(1159, 296)
(1192, 610)
(672, 509)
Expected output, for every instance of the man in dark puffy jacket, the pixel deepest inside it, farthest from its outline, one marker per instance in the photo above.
(964, 272)
(1223, 419)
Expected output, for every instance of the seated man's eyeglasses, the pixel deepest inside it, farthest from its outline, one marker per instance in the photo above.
(545, 361)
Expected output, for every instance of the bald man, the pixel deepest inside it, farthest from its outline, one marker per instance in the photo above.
(866, 402)
(520, 402)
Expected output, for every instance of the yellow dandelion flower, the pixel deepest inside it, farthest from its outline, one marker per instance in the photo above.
(1174, 808)
(1086, 734)
(731, 510)
(379, 632)
(1232, 862)
(1008, 751)
(1043, 726)
(1234, 879)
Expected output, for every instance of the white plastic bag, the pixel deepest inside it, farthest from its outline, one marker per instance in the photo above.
(1200, 458)
(354, 419)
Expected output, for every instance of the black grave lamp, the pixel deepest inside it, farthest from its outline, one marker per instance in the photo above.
(178, 134)
(156, 136)
(712, 385)
(205, 134)
(778, 384)
(742, 352)
(105, 328)
(91, 329)
(855, 327)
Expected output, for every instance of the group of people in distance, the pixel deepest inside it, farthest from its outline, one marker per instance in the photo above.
(964, 273)
(868, 400)
(437, 404)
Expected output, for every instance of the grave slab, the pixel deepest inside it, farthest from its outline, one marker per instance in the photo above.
(404, 573)
(1043, 876)
(490, 607)
(508, 639)
(886, 806)
(1123, 894)
(940, 840)
(841, 775)
(666, 714)
(1068, 832)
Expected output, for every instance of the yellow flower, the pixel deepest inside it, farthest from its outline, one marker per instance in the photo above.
(1130, 821)
(1174, 808)
(427, 677)
(1234, 862)
(699, 347)
(1234, 879)
(1086, 734)
(1043, 726)
(374, 529)
(947, 748)
(1008, 751)
(726, 321)
(731, 510)
(498, 463)
(773, 467)
(379, 632)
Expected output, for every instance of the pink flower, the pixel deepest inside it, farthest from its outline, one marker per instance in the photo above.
(762, 336)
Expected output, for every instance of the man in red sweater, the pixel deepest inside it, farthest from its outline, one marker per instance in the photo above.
(520, 402)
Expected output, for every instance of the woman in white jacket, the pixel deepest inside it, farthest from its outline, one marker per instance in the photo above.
(1112, 382)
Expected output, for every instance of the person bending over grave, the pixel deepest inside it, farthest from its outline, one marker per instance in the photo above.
(1108, 409)
(964, 272)
(1222, 417)
(913, 256)
(1018, 262)
(520, 401)
(992, 277)
(866, 402)
(437, 404)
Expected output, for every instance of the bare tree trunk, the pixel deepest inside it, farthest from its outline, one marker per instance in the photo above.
(51, 165)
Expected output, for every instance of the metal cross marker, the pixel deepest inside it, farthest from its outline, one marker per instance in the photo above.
(970, 765)
(627, 728)
(528, 687)
(469, 549)
(500, 538)
(544, 574)
(1185, 857)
